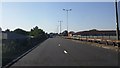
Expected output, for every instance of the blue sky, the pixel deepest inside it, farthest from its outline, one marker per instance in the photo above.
(45, 15)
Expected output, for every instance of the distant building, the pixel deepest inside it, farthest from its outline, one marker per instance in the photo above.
(10, 35)
(97, 33)
(71, 33)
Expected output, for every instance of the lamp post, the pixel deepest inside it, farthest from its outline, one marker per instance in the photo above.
(117, 24)
(57, 28)
(67, 10)
(60, 26)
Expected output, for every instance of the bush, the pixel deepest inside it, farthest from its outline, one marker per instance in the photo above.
(14, 48)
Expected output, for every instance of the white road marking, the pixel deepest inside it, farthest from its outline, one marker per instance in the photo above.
(65, 51)
(106, 47)
(59, 45)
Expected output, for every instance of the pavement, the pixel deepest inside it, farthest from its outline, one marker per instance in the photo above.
(63, 52)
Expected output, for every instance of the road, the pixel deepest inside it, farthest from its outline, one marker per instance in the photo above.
(64, 52)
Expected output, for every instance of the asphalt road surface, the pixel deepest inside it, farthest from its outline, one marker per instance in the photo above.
(63, 52)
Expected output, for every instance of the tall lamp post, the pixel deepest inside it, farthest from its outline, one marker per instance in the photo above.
(117, 24)
(60, 26)
(67, 10)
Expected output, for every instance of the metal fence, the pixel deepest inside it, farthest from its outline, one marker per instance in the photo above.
(95, 37)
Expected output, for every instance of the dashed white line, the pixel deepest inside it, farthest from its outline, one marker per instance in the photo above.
(59, 45)
(65, 52)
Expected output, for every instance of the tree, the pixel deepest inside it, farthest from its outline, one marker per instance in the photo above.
(93, 30)
(65, 33)
(7, 30)
(36, 32)
(20, 31)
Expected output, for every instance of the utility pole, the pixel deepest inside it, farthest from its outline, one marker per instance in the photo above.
(60, 26)
(67, 15)
(117, 24)
(57, 29)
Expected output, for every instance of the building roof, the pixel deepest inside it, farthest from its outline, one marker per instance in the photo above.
(71, 32)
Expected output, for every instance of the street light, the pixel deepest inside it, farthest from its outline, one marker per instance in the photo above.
(67, 15)
(117, 24)
(60, 26)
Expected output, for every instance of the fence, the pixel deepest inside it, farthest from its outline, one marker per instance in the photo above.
(99, 39)
(95, 37)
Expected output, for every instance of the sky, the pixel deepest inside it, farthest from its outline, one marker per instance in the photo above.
(58, 0)
(45, 15)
